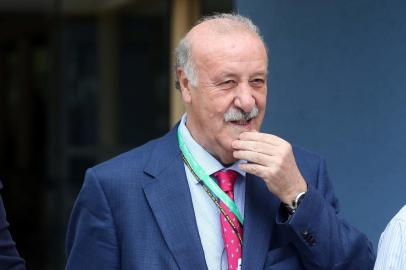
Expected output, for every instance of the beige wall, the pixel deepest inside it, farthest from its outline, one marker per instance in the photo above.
(184, 14)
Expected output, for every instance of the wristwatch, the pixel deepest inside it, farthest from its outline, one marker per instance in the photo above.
(291, 208)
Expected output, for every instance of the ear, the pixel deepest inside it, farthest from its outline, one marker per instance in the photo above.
(185, 86)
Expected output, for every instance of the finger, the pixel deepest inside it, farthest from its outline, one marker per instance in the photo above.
(254, 169)
(255, 146)
(255, 157)
(260, 137)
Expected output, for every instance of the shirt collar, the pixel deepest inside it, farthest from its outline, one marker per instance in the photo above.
(209, 163)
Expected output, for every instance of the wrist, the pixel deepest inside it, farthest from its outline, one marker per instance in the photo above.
(291, 193)
(292, 206)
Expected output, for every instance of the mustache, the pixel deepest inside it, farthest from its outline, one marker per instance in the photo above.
(236, 114)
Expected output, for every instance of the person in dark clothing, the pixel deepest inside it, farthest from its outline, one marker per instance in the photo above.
(9, 257)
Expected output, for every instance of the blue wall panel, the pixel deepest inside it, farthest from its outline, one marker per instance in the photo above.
(338, 87)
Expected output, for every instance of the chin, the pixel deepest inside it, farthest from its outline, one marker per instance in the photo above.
(228, 160)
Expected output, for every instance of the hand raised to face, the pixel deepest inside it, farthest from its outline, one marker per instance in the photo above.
(272, 159)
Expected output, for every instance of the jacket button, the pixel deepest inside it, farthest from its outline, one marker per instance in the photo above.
(309, 238)
(305, 234)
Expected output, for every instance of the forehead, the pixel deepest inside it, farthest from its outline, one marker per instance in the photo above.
(241, 51)
(210, 42)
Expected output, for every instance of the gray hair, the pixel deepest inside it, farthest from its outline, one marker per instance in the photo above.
(183, 53)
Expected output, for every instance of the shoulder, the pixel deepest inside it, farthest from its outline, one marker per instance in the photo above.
(401, 216)
(396, 227)
(308, 161)
(131, 165)
(9, 257)
(133, 159)
(304, 154)
(392, 244)
(397, 223)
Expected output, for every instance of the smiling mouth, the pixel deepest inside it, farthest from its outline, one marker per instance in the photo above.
(241, 122)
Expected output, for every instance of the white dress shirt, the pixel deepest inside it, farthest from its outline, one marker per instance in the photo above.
(392, 244)
(206, 212)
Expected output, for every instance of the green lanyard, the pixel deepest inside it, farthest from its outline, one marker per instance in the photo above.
(207, 180)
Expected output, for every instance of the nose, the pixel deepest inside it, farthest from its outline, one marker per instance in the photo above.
(244, 98)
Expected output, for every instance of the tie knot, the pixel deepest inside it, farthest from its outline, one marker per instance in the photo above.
(226, 179)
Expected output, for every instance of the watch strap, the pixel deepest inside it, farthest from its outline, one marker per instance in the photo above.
(291, 208)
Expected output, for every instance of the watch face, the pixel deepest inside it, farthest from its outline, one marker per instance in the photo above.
(289, 208)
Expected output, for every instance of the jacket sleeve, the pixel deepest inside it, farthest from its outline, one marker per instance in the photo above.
(91, 237)
(9, 257)
(323, 240)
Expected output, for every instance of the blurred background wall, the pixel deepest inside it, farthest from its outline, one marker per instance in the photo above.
(338, 86)
(80, 81)
(83, 80)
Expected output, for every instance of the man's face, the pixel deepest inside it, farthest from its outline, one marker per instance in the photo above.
(232, 73)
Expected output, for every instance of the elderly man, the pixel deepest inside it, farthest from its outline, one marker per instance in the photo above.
(214, 193)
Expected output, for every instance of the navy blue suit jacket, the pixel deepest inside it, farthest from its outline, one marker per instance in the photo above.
(9, 258)
(135, 212)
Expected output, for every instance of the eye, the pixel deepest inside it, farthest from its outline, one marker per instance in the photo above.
(258, 82)
(228, 84)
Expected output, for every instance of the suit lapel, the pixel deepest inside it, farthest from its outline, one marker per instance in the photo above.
(259, 221)
(169, 198)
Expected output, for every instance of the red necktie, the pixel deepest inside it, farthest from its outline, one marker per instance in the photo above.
(226, 181)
